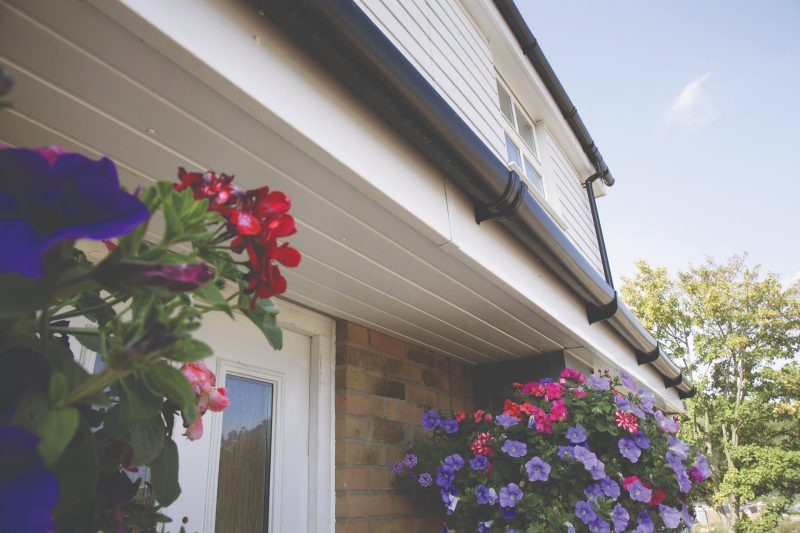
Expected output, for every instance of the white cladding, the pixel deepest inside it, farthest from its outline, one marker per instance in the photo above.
(440, 38)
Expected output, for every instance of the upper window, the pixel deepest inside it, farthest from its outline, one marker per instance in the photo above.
(520, 138)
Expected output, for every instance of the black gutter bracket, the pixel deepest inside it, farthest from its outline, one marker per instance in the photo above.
(674, 382)
(596, 313)
(648, 357)
(684, 395)
(507, 204)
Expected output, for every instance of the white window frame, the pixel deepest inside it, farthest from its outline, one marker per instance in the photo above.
(529, 151)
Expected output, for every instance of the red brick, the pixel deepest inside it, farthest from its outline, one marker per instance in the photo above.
(421, 356)
(362, 526)
(420, 395)
(350, 332)
(432, 378)
(393, 525)
(356, 453)
(387, 431)
(401, 411)
(356, 403)
(403, 370)
(350, 355)
(352, 479)
(380, 479)
(387, 344)
(401, 504)
(351, 427)
(358, 505)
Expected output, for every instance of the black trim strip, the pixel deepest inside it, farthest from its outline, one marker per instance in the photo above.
(647, 357)
(342, 38)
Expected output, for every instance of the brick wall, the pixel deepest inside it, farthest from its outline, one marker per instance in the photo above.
(383, 385)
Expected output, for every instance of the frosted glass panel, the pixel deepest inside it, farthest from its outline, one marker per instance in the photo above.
(244, 457)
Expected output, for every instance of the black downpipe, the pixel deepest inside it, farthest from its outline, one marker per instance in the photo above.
(342, 38)
(598, 230)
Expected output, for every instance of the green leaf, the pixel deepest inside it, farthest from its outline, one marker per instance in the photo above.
(76, 471)
(265, 321)
(90, 340)
(56, 427)
(22, 295)
(143, 402)
(58, 389)
(187, 350)
(147, 439)
(164, 478)
(174, 385)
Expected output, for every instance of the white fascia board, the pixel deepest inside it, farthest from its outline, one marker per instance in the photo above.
(228, 47)
(493, 252)
(526, 83)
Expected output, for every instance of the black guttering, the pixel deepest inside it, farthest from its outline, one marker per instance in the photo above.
(341, 37)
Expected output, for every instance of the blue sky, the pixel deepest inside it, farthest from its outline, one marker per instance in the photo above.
(695, 106)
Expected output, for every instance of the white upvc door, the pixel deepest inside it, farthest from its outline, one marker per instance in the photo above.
(265, 464)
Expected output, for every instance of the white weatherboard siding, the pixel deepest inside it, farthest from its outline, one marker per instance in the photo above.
(440, 39)
(385, 241)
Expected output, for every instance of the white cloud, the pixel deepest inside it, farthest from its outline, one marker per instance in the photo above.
(789, 280)
(693, 108)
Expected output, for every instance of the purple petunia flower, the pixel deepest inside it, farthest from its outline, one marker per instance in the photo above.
(628, 380)
(666, 423)
(425, 480)
(454, 462)
(684, 483)
(510, 495)
(451, 504)
(538, 470)
(509, 530)
(397, 467)
(576, 435)
(479, 462)
(444, 477)
(675, 462)
(623, 403)
(644, 523)
(620, 518)
(641, 440)
(431, 420)
(670, 516)
(593, 492)
(567, 453)
(598, 382)
(570, 527)
(485, 527)
(629, 450)
(506, 420)
(610, 488)
(639, 492)
(584, 455)
(686, 516)
(485, 495)
(701, 464)
(514, 448)
(49, 196)
(599, 525)
(509, 513)
(28, 491)
(678, 447)
(546, 380)
(598, 470)
(449, 425)
(585, 511)
(647, 398)
(410, 460)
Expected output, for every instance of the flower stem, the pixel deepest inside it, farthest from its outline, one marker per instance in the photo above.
(60, 329)
(95, 384)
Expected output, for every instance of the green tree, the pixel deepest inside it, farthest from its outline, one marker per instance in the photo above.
(736, 332)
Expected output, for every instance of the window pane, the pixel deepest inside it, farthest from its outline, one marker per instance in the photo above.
(244, 457)
(533, 176)
(505, 103)
(513, 152)
(525, 129)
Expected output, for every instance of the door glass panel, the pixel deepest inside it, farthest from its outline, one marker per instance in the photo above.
(244, 457)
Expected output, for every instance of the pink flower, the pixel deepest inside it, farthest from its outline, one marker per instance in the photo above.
(573, 375)
(558, 412)
(627, 421)
(199, 376)
(579, 393)
(195, 431)
(532, 388)
(552, 391)
(216, 399)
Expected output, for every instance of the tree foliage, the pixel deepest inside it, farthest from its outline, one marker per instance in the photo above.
(736, 331)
